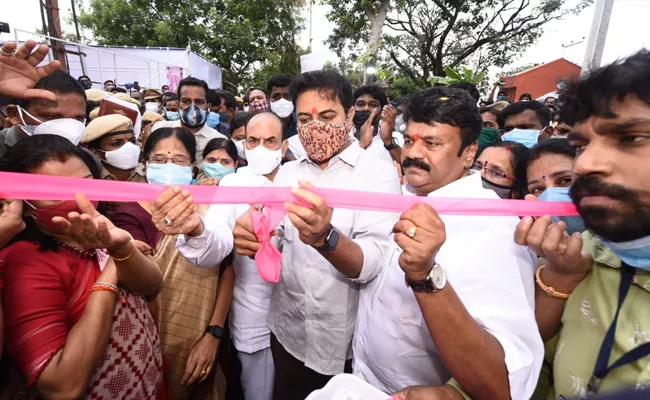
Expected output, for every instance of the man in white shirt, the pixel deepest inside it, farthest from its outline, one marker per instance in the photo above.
(193, 109)
(206, 243)
(466, 310)
(327, 253)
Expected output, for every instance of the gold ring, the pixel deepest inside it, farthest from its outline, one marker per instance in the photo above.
(203, 372)
(18, 55)
(411, 231)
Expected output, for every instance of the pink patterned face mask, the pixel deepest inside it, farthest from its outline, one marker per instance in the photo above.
(322, 140)
(259, 105)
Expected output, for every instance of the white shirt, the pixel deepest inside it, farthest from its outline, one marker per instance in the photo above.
(492, 276)
(251, 294)
(202, 136)
(314, 306)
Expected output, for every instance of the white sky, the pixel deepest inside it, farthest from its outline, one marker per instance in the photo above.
(628, 31)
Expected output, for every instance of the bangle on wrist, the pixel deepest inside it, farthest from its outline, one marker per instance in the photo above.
(130, 253)
(107, 287)
(549, 290)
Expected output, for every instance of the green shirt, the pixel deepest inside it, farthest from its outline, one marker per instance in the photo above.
(588, 314)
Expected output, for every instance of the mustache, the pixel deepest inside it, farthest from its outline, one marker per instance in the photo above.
(412, 162)
(590, 185)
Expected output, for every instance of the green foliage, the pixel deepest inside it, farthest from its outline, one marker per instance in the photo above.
(249, 39)
(467, 75)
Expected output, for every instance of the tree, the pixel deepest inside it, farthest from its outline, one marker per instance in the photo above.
(243, 37)
(423, 37)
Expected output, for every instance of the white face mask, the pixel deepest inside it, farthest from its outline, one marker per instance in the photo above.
(68, 128)
(282, 107)
(126, 157)
(152, 106)
(263, 161)
(246, 108)
(240, 148)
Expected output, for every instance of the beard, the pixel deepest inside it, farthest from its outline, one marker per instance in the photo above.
(627, 219)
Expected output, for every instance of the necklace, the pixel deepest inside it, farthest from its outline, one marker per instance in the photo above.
(89, 255)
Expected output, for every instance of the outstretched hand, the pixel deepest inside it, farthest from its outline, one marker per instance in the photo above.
(19, 71)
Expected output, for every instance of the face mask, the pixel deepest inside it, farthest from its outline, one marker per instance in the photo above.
(322, 140)
(503, 192)
(527, 137)
(193, 116)
(172, 115)
(259, 105)
(573, 223)
(126, 157)
(213, 120)
(168, 174)
(263, 161)
(246, 108)
(283, 108)
(44, 215)
(68, 128)
(28, 129)
(360, 118)
(86, 85)
(240, 148)
(487, 137)
(635, 253)
(216, 170)
(501, 98)
(223, 117)
(152, 106)
(399, 124)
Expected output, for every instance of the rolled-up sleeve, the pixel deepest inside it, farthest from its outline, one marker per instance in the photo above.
(372, 229)
(210, 248)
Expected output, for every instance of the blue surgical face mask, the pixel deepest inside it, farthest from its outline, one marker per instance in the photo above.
(194, 116)
(172, 115)
(635, 253)
(213, 120)
(216, 170)
(527, 137)
(168, 174)
(223, 117)
(561, 194)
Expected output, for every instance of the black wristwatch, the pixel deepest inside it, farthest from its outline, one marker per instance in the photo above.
(331, 240)
(393, 145)
(215, 330)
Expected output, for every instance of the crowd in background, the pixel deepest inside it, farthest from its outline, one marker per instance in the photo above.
(164, 299)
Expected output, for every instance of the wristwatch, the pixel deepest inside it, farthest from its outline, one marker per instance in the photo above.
(215, 330)
(393, 145)
(435, 282)
(331, 240)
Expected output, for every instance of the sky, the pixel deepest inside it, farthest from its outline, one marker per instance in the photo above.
(564, 38)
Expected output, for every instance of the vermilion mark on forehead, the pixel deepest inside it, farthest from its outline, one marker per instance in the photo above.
(416, 137)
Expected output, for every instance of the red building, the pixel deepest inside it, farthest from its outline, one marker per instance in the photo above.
(539, 80)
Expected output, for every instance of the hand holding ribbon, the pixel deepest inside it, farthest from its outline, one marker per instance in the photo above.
(268, 258)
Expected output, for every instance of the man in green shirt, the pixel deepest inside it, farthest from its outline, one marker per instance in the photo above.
(593, 295)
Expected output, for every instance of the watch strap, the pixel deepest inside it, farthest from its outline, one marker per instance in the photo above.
(393, 144)
(215, 330)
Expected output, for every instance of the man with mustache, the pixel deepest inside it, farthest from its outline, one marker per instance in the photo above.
(594, 292)
(455, 296)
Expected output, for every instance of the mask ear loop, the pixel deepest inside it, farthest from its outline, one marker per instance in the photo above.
(22, 119)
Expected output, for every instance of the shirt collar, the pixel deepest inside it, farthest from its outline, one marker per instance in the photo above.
(469, 186)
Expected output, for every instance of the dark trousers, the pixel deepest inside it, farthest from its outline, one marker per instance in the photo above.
(293, 380)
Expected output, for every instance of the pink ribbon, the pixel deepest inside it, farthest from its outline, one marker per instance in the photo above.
(268, 258)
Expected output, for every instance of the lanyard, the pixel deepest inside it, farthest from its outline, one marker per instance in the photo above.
(602, 368)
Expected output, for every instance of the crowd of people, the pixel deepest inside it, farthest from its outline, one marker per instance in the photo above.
(163, 299)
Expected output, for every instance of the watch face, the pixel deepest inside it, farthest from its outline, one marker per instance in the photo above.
(438, 277)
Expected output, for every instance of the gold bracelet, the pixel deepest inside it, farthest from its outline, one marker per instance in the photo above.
(130, 254)
(549, 290)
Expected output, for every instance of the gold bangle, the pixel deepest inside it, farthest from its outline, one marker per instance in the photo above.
(132, 249)
(549, 290)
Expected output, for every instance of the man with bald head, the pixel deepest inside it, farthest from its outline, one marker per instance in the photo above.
(207, 248)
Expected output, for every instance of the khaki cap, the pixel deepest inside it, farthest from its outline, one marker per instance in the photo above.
(105, 125)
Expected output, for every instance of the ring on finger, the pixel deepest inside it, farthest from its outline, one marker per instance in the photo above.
(203, 372)
(411, 231)
(18, 55)
(168, 221)
(4, 53)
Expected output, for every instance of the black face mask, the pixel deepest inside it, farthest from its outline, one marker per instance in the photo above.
(503, 192)
(360, 118)
(86, 84)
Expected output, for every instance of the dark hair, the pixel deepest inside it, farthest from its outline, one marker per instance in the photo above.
(527, 95)
(247, 97)
(469, 87)
(31, 153)
(375, 91)
(183, 135)
(593, 94)
(240, 119)
(226, 96)
(492, 111)
(550, 146)
(109, 80)
(221, 144)
(446, 106)
(279, 80)
(519, 157)
(252, 115)
(83, 76)
(543, 112)
(171, 97)
(550, 97)
(213, 98)
(331, 83)
(58, 82)
(191, 81)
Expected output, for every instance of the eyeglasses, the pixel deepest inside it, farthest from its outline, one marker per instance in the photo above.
(491, 173)
(162, 159)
